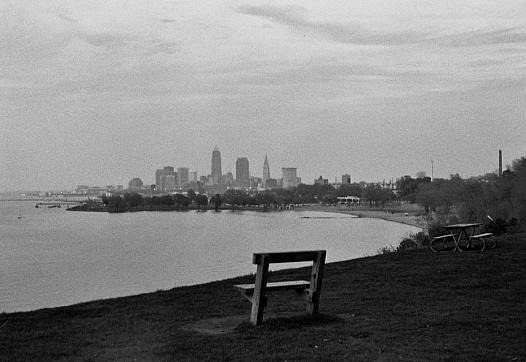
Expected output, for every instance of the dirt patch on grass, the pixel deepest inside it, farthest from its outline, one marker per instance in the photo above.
(216, 326)
(224, 325)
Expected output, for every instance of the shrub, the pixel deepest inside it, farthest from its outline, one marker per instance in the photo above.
(407, 243)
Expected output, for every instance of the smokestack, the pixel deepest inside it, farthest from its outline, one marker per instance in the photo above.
(500, 162)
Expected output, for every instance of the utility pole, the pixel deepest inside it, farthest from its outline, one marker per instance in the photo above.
(432, 170)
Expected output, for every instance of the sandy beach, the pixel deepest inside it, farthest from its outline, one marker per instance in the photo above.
(409, 218)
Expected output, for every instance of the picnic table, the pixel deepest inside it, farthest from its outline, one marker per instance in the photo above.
(460, 230)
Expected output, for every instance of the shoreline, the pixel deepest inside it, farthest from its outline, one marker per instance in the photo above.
(398, 217)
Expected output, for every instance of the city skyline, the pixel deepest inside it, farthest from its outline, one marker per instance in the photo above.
(94, 94)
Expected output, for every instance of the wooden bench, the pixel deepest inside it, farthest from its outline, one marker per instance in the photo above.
(483, 238)
(442, 238)
(256, 293)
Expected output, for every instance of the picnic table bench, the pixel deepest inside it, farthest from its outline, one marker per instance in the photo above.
(256, 293)
(469, 237)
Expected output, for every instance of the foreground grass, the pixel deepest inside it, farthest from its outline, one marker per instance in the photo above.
(411, 306)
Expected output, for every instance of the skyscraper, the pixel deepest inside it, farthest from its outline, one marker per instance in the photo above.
(183, 176)
(266, 171)
(216, 166)
(159, 178)
(290, 178)
(242, 172)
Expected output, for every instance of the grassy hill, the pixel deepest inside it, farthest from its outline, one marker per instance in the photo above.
(411, 306)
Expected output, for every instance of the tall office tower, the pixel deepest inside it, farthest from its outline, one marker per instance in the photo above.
(242, 172)
(183, 175)
(159, 178)
(193, 176)
(169, 182)
(168, 179)
(216, 166)
(290, 178)
(346, 179)
(266, 171)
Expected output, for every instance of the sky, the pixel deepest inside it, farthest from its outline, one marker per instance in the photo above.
(99, 92)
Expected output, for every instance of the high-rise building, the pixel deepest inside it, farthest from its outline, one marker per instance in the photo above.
(346, 179)
(159, 178)
(183, 176)
(242, 172)
(290, 178)
(193, 176)
(216, 165)
(266, 171)
(169, 182)
(167, 178)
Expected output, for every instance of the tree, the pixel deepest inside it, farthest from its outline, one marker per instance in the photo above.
(235, 197)
(181, 200)
(167, 200)
(216, 200)
(265, 198)
(191, 195)
(133, 199)
(201, 200)
(116, 204)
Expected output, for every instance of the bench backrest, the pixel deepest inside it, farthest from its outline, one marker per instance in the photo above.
(288, 256)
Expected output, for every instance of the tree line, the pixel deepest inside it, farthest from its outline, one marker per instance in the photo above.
(493, 197)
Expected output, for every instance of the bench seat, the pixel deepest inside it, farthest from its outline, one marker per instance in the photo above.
(443, 236)
(443, 239)
(485, 236)
(480, 236)
(248, 289)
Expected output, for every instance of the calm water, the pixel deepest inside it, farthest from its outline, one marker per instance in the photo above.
(53, 257)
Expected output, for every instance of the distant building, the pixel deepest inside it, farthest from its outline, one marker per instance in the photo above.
(193, 176)
(255, 182)
(135, 184)
(169, 182)
(346, 179)
(228, 178)
(272, 183)
(165, 179)
(159, 178)
(266, 171)
(290, 178)
(242, 172)
(349, 200)
(321, 181)
(216, 165)
(183, 176)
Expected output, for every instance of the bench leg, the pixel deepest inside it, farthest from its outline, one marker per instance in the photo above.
(259, 299)
(315, 284)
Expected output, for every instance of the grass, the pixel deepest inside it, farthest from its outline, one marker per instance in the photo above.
(408, 306)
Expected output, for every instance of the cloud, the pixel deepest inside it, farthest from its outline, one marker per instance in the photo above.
(105, 39)
(67, 18)
(514, 35)
(342, 33)
(164, 47)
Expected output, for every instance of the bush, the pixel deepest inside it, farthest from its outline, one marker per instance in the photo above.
(407, 244)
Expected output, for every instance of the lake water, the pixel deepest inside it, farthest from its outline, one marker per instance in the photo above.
(52, 257)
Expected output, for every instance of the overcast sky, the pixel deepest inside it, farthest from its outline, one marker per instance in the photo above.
(99, 92)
